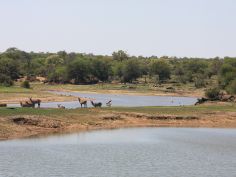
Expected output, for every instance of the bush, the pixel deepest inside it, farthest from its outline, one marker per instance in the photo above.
(199, 82)
(231, 88)
(213, 93)
(5, 80)
(25, 84)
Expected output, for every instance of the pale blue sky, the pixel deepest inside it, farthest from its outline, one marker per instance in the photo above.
(197, 28)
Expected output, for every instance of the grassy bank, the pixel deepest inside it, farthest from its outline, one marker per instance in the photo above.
(24, 122)
(173, 110)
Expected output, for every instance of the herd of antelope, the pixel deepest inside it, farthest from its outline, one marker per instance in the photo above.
(30, 103)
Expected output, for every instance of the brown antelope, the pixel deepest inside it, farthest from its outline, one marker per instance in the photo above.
(35, 101)
(3, 105)
(83, 101)
(96, 104)
(27, 104)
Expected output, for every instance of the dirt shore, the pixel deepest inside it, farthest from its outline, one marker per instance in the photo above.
(22, 126)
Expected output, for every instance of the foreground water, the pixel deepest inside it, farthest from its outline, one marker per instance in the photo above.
(121, 100)
(146, 152)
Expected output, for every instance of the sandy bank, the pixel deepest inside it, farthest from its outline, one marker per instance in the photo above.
(12, 127)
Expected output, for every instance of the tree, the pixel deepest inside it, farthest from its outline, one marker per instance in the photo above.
(101, 69)
(231, 88)
(9, 68)
(59, 75)
(131, 71)
(227, 72)
(120, 55)
(160, 68)
(80, 70)
(51, 63)
(118, 70)
(5, 80)
(27, 63)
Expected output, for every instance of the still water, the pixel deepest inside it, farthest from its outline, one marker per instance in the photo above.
(120, 100)
(146, 152)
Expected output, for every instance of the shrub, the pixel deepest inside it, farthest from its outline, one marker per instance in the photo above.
(5, 80)
(25, 84)
(199, 82)
(213, 93)
(231, 88)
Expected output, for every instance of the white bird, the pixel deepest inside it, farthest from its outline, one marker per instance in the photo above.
(109, 103)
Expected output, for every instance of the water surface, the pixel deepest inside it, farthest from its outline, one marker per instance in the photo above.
(120, 100)
(146, 152)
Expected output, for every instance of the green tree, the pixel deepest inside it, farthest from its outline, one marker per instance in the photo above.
(231, 88)
(131, 71)
(162, 69)
(9, 68)
(101, 69)
(79, 70)
(120, 55)
(227, 72)
(118, 70)
(59, 75)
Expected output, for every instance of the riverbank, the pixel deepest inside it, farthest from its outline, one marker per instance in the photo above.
(27, 122)
(15, 94)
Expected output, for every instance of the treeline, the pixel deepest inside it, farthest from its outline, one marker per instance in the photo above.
(78, 68)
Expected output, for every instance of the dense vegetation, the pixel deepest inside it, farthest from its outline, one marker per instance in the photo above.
(78, 68)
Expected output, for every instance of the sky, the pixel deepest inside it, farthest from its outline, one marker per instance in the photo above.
(191, 28)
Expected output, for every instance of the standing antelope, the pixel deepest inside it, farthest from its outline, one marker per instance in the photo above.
(82, 101)
(35, 101)
(96, 104)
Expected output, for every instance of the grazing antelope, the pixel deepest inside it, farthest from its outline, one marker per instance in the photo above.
(109, 103)
(60, 106)
(83, 101)
(96, 104)
(35, 101)
(27, 104)
(3, 105)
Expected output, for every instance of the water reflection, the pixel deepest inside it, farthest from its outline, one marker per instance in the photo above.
(131, 152)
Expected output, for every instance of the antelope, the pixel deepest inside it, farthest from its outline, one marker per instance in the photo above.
(35, 101)
(96, 104)
(27, 104)
(82, 102)
(60, 106)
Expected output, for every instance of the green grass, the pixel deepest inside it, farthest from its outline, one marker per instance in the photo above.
(176, 109)
(14, 89)
(189, 110)
(42, 112)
